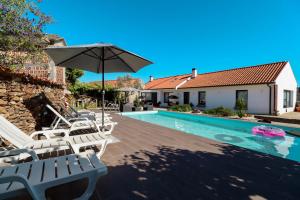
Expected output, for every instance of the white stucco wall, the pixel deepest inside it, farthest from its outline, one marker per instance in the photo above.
(286, 81)
(258, 97)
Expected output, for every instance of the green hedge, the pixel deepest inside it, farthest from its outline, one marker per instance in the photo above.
(220, 111)
(181, 108)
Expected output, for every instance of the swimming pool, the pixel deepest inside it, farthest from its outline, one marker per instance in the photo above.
(230, 131)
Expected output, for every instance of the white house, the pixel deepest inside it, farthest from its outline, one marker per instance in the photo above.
(266, 89)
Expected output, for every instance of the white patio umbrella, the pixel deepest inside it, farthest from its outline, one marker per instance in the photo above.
(98, 58)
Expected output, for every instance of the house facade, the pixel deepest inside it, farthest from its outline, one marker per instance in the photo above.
(266, 89)
(47, 69)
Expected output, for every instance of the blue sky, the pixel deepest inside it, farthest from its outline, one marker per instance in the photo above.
(178, 35)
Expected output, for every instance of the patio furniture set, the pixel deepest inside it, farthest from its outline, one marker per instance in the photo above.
(26, 171)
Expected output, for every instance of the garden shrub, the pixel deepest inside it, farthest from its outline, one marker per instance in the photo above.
(219, 111)
(181, 108)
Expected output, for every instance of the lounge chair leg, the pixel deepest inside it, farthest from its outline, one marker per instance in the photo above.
(38, 194)
(103, 147)
(90, 188)
(76, 149)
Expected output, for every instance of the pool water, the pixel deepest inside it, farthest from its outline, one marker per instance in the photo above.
(230, 131)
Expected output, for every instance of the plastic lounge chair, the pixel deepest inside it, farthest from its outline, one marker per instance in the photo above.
(73, 113)
(19, 139)
(39, 175)
(74, 124)
(86, 112)
(87, 116)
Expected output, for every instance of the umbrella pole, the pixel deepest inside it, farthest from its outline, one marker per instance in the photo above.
(103, 89)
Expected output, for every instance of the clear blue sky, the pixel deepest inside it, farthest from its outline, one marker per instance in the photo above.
(179, 35)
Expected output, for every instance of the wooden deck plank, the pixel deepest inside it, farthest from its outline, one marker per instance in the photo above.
(154, 162)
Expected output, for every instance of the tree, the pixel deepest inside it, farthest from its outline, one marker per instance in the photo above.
(21, 32)
(128, 81)
(73, 75)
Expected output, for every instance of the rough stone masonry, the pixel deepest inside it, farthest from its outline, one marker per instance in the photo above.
(23, 103)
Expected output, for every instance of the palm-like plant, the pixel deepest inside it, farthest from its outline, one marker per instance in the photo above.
(241, 107)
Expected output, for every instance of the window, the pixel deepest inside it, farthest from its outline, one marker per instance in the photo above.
(166, 97)
(186, 98)
(201, 99)
(242, 94)
(287, 98)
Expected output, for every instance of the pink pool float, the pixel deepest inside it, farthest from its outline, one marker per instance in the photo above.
(268, 131)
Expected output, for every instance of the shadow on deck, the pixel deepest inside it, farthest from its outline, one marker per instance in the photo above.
(214, 171)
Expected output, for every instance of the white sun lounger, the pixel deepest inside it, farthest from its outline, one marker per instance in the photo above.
(39, 175)
(73, 113)
(86, 112)
(19, 139)
(79, 123)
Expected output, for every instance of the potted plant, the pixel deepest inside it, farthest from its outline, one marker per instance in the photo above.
(137, 104)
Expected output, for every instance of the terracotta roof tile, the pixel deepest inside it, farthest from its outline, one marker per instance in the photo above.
(113, 83)
(166, 83)
(260, 74)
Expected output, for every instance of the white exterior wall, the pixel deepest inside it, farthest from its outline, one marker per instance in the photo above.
(258, 97)
(286, 81)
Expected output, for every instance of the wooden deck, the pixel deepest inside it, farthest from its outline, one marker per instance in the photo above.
(153, 162)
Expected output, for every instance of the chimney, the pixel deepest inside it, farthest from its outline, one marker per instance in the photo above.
(151, 78)
(194, 73)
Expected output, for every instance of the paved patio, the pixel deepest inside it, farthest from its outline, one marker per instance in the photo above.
(153, 162)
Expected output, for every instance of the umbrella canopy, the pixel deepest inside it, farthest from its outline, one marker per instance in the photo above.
(98, 58)
(89, 57)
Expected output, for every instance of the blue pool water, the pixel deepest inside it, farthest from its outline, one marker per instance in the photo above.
(230, 131)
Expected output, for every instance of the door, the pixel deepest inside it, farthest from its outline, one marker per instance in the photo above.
(154, 97)
(186, 98)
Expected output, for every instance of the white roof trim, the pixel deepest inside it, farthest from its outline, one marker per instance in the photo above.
(183, 82)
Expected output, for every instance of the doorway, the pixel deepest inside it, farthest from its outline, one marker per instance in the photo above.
(186, 98)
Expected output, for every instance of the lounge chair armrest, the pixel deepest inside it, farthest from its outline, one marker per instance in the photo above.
(49, 133)
(16, 152)
(78, 119)
(16, 178)
(83, 121)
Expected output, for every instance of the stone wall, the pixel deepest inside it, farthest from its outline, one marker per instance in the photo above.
(23, 102)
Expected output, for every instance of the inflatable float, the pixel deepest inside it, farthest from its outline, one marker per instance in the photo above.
(268, 131)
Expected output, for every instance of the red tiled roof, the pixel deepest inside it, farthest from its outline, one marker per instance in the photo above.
(114, 83)
(260, 74)
(166, 83)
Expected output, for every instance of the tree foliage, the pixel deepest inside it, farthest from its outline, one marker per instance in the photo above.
(21, 31)
(128, 81)
(73, 75)
(88, 88)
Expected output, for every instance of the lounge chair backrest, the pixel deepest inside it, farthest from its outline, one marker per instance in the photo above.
(74, 110)
(68, 112)
(13, 134)
(59, 115)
